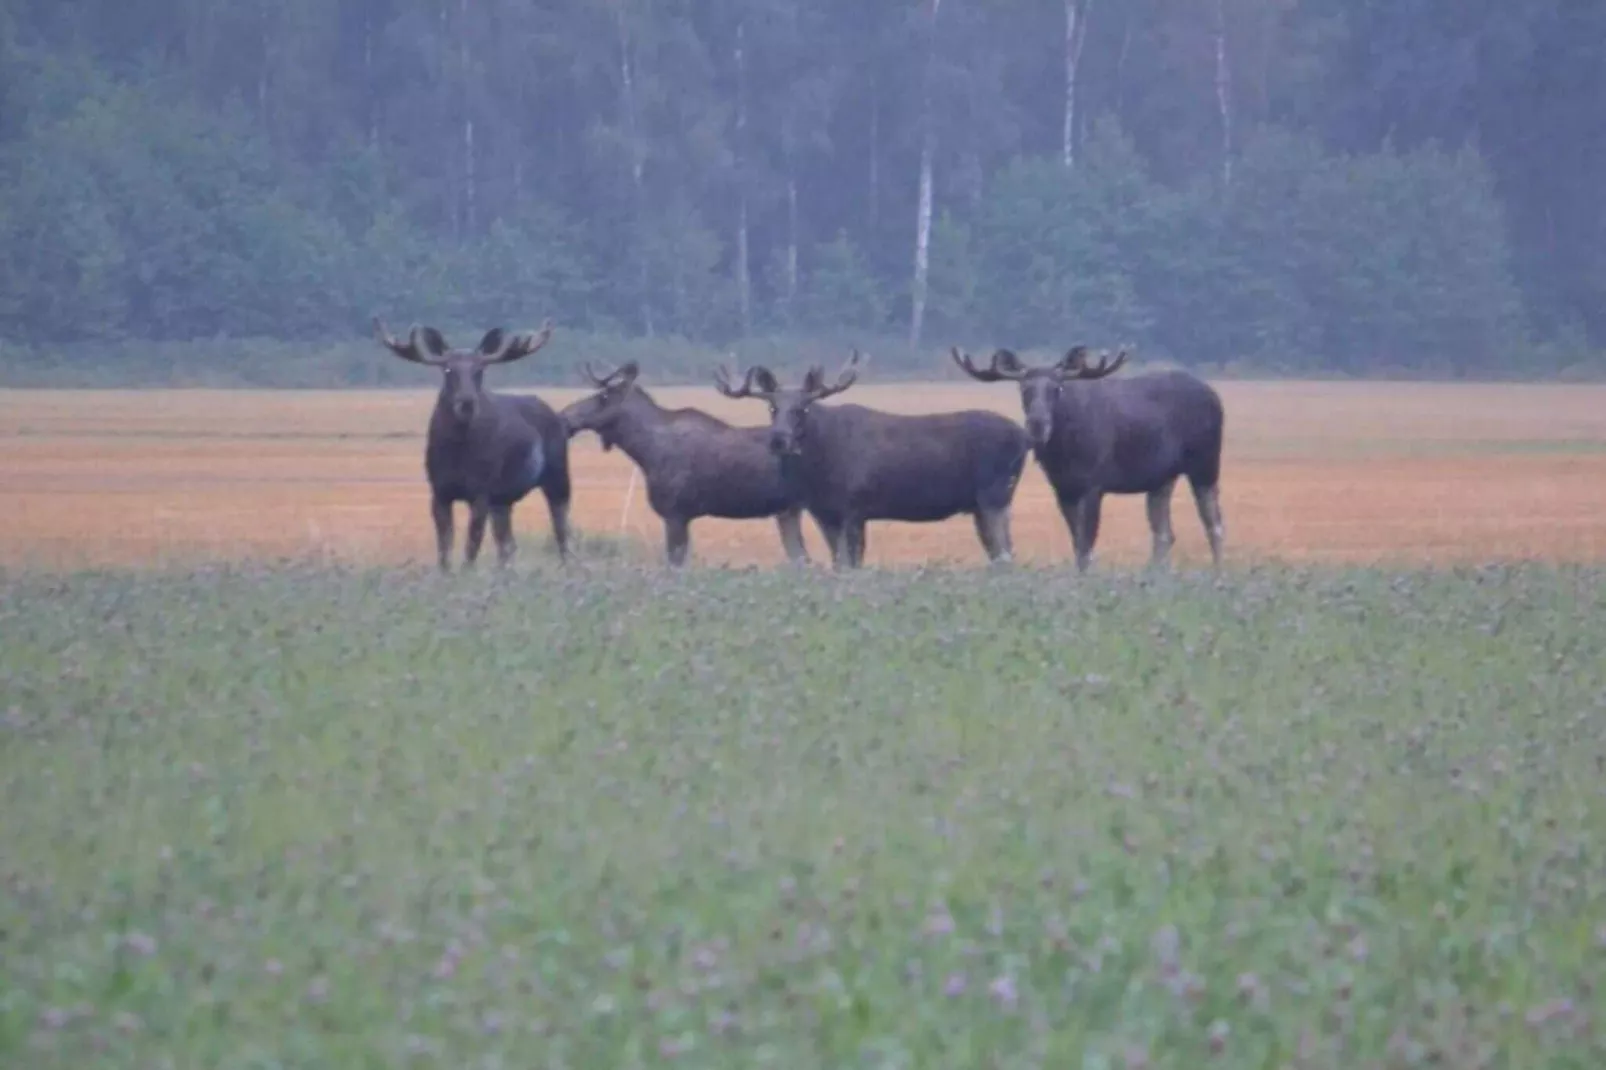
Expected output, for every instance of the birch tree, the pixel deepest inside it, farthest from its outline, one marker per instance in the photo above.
(1077, 13)
(928, 151)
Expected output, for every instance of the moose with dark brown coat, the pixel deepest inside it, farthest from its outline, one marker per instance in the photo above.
(484, 448)
(695, 464)
(858, 464)
(1094, 437)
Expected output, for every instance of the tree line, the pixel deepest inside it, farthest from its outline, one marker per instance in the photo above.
(1295, 185)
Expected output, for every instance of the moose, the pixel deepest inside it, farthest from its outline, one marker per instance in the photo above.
(487, 449)
(1125, 436)
(695, 464)
(857, 464)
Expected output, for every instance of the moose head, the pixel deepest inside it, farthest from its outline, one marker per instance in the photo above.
(463, 379)
(1040, 387)
(789, 407)
(599, 411)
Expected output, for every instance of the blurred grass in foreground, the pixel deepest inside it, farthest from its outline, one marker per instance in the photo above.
(617, 817)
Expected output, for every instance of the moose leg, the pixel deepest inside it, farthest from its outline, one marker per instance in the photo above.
(1082, 517)
(558, 505)
(790, 524)
(478, 513)
(842, 552)
(1070, 509)
(677, 540)
(853, 533)
(441, 510)
(991, 530)
(1208, 499)
(992, 526)
(1092, 508)
(502, 531)
(985, 534)
(831, 532)
(1159, 503)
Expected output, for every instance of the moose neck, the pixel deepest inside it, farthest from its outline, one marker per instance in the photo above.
(1072, 412)
(635, 428)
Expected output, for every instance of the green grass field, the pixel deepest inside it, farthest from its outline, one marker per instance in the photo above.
(293, 817)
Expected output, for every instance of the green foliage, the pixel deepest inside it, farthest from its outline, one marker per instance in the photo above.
(1415, 262)
(840, 290)
(174, 173)
(1305, 261)
(1054, 247)
(1238, 282)
(612, 816)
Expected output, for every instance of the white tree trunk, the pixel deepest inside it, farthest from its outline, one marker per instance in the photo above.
(627, 100)
(1076, 16)
(744, 277)
(470, 178)
(469, 204)
(791, 241)
(922, 246)
(875, 155)
(368, 80)
(1120, 68)
(638, 155)
(928, 149)
(1224, 91)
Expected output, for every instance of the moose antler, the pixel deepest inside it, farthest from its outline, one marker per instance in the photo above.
(722, 383)
(1075, 365)
(814, 384)
(623, 373)
(424, 345)
(589, 375)
(1005, 365)
(519, 346)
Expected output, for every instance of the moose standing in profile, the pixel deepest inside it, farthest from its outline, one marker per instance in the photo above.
(857, 464)
(484, 448)
(695, 464)
(1124, 436)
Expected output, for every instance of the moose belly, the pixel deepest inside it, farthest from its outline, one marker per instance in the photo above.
(522, 474)
(1143, 472)
(747, 503)
(723, 495)
(925, 500)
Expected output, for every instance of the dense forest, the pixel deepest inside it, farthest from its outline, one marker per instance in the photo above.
(1300, 186)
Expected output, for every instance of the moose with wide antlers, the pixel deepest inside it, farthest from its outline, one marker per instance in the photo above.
(856, 464)
(1094, 437)
(484, 448)
(695, 464)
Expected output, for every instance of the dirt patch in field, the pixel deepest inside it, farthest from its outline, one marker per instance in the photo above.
(1314, 472)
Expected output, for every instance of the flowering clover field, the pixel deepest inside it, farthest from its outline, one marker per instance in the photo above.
(298, 817)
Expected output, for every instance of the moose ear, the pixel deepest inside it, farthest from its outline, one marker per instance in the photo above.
(814, 378)
(628, 371)
(433, 341)
(765, 380)
(492, 343)
(1006, 360)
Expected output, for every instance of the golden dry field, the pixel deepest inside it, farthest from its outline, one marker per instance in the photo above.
(1352, 472)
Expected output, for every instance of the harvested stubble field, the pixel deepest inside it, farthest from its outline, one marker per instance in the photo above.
(323, 816)
(336, 812)
(1314, 472)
